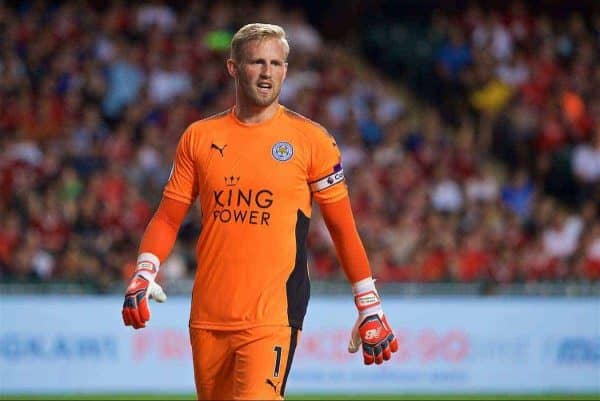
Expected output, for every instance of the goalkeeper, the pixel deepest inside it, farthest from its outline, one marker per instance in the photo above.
(255, 169)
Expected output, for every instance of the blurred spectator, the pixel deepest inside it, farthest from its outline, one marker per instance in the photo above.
(370, 129)
(124, 79)
(156, 14)
(169, 80)
(518, 194)
(586, 160)
(454, 56)
(302, 36)
(561, 238)
(482, 186)
(446, 194)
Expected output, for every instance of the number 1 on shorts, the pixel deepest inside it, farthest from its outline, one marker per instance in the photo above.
(277, 351)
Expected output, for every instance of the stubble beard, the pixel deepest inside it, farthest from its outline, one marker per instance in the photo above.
(251, 93)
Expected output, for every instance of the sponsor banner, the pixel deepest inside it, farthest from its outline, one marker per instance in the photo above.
(78, 344)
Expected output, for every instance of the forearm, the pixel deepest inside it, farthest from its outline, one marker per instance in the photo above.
(161, 232)
(348, 245)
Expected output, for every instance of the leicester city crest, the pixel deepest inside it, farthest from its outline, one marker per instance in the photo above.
(282, 151)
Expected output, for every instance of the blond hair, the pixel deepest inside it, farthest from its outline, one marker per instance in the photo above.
(257, 31)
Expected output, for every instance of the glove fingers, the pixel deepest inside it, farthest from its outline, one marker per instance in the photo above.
(136, 310)
(378, 340)
(143, 308)
(378, 355)
(368, 354)
(126, 317)
(387, 353)
(134, 314)
(128, 306)
(135, 317)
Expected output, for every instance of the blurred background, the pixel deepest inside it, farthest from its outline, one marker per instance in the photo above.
(470, 136)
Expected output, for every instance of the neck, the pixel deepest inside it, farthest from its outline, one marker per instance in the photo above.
(253, 114)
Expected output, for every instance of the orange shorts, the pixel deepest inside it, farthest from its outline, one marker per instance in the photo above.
(243, 364)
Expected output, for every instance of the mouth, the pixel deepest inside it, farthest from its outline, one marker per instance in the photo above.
(264, 88)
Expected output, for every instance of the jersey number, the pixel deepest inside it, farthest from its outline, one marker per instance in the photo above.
(277, 351)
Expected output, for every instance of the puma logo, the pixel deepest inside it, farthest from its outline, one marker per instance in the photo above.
(272, 384)
(213, 146)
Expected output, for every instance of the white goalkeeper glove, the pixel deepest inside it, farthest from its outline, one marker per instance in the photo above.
(371, 328)
(142, 287)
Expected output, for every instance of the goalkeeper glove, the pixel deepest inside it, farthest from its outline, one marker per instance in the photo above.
(371, 328)
(136, 311)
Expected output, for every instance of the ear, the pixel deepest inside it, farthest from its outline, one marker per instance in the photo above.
(285, 67)
(231, 68)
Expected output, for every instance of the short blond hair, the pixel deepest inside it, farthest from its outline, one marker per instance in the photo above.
(257, 31)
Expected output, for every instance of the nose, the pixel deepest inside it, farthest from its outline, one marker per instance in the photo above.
(265, 72)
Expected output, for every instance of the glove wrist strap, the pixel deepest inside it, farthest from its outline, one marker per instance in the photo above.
(147, 266)
(366, 297)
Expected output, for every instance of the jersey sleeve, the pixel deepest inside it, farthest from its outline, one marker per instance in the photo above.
(183, 181)
(325, 175)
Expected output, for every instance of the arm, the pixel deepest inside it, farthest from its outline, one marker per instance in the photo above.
(180, 191)
(326, 181)
(371, 328)
(156, 244)
(350, 250)
(161, 232)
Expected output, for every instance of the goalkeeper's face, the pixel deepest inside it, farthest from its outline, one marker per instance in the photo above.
(261, 71)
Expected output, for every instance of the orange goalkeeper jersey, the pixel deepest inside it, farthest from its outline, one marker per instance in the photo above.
(254, 184)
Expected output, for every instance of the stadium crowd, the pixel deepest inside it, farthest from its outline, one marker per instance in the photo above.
(496, 180)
